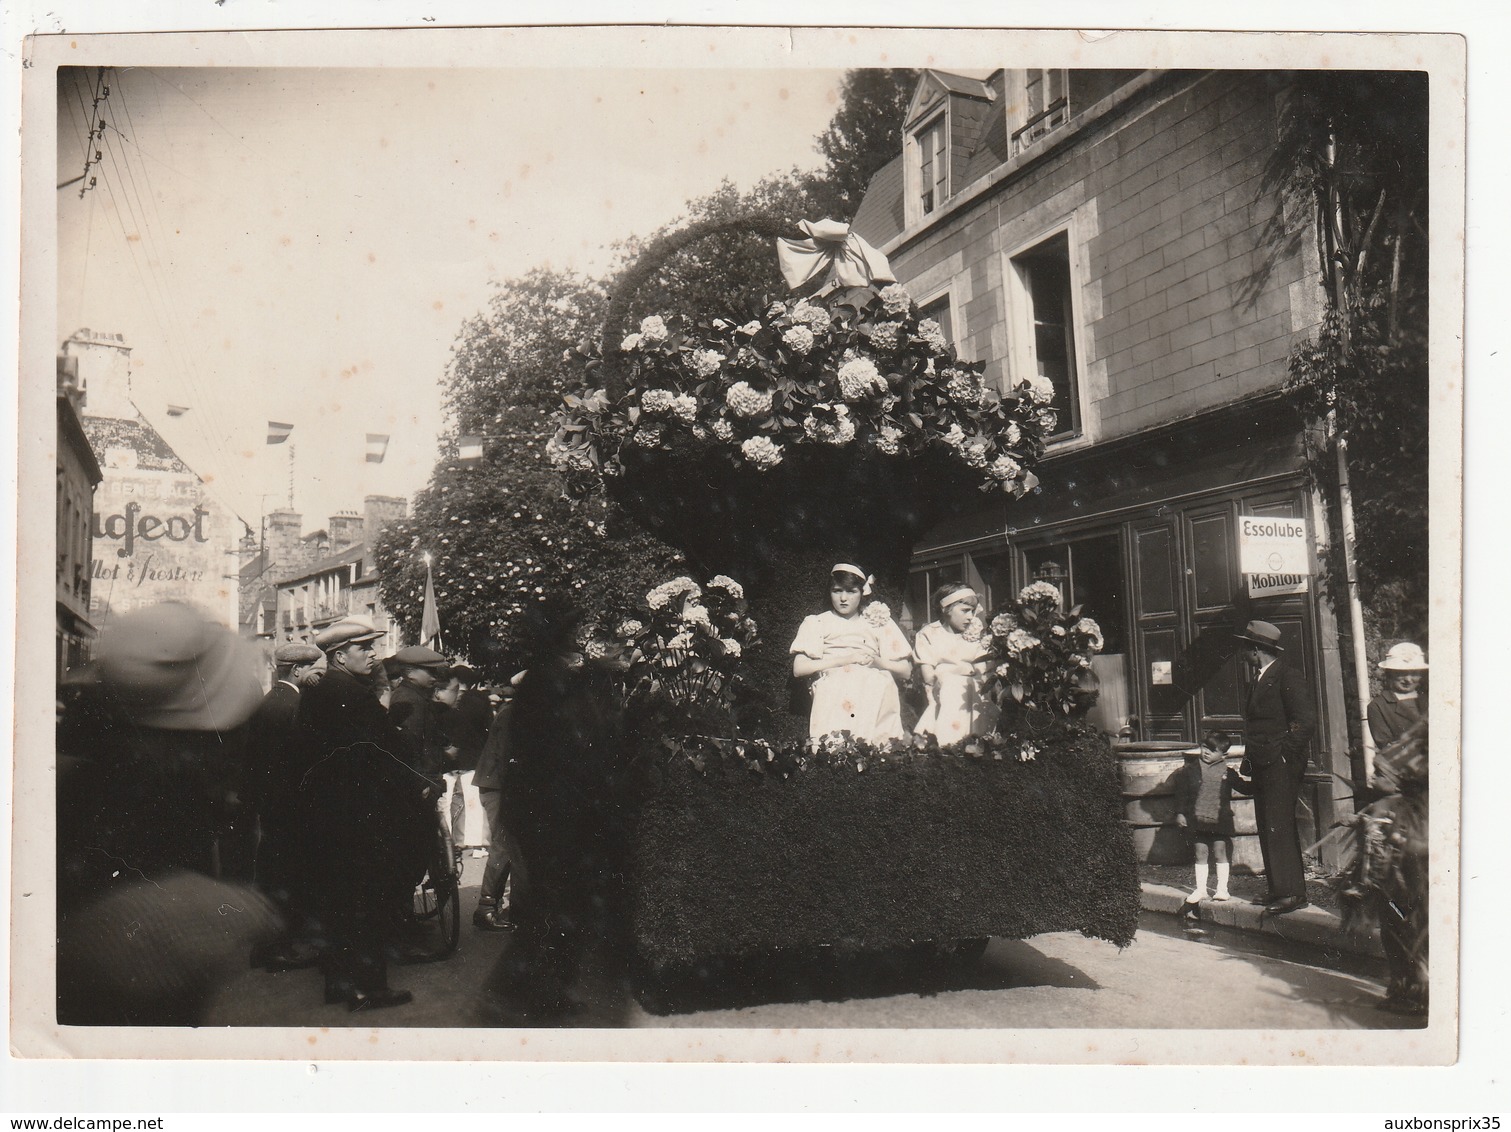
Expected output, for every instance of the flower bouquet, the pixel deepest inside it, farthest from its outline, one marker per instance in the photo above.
(1039, 660)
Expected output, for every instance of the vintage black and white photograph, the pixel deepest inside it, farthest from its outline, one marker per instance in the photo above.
(648, 531)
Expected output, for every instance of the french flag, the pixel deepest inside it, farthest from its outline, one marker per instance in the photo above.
(278, 432)
(377, 447)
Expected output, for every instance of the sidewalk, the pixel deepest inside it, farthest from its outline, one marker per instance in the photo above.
(1315, 926)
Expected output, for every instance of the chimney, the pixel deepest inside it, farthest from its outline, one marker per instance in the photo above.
(285, 550)
(345, 530)
(379, 511)
(104, 373)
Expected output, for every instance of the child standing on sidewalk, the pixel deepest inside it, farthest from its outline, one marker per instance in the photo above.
(1205, 797)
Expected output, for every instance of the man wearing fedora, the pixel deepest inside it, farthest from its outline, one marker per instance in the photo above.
(366, 819)
(1279, 719)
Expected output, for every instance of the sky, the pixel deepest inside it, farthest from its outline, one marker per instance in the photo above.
(302, 245)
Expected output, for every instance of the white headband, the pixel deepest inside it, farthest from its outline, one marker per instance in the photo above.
(965, 593)
(848, 568)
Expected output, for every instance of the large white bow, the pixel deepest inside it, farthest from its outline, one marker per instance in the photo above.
(850, 261)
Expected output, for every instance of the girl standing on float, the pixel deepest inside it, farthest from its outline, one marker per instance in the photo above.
(857, 655)
(951, 658)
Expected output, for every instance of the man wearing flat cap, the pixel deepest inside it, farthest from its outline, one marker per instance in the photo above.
(275, 770)
(414, 711)
(1279, 719)
(366, 818)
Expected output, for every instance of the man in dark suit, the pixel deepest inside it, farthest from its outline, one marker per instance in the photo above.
(1279, 720)
(367, 819)
(413, 710)
(274, 773)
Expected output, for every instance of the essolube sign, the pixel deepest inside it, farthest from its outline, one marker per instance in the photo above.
(1273, 545)
(1255, 528)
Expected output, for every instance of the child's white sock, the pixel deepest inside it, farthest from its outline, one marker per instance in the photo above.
(1222, 892)
(1201, 883)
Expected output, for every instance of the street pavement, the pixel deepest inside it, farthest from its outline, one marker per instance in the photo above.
(1163, 980)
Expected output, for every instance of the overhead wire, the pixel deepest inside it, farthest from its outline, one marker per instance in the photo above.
(153, 288)
(210, 422)
(93, 204)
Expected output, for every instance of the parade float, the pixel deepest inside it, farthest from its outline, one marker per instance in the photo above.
(835, 426)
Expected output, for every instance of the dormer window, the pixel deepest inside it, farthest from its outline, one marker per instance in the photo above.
(1043, 107)
(933, 165)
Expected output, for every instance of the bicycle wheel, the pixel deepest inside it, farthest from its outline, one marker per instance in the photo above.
(448, 915)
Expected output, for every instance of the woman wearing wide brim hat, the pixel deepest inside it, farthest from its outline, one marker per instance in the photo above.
(1399, 703)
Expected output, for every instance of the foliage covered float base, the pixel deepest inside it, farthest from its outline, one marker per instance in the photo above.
(728, 861)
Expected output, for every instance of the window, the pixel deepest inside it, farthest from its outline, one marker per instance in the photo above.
(1044, 108)
(1045, 321)
(933, 165)
(939, 310)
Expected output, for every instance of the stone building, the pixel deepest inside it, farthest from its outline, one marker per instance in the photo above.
(78, 475)
(159, 534)
(1108, 230)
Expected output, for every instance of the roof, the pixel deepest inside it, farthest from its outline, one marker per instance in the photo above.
(879, 217)
(152, 451)
(354, 553)
(960, 84)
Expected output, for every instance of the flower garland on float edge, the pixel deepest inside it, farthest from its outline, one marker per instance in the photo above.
(857, 369)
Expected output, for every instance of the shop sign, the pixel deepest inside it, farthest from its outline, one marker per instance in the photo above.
(1273, 545)
(1277, 585)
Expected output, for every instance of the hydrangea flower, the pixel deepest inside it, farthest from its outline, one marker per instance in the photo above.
(631, 342)
(648, 436)
(887, 438)
(680, 641)
(799, 338)
(860, 377)
(877, 613)
(630, 629)
(661, 596)
(895, 299)
(751, 328)
(1090, 629)
(1005, 468)
(728, 585)
(963, 387)
(932, 335)
(815, 318)
(656, 400)
(886, 335)
(955, 437)
(695, 613)
(653, 329)
(761, 452)
(1020, 639)
(776, 310)
(748, 402)
(723, 430)
(1012, 434)
(1039, 591)
(685, 407)
(839, 431)
(705, 363)
(1048, 421)
(974, 453)
(731, 646)
(974, 630)
(1040, 389)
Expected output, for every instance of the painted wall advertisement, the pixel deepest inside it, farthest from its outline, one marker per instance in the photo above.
(158, 536)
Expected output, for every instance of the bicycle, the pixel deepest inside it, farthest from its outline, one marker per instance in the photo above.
(436, 908)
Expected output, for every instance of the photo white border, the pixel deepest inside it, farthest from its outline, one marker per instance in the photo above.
(844, 47)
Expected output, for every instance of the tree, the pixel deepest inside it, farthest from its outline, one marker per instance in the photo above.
(865, 134)
(510, 552)
(1352, 154)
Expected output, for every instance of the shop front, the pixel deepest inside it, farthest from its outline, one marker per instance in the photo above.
(1150, 536)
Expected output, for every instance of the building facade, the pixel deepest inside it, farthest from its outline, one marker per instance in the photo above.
(158, 532)
(79, 474)
(302, 582)
(1113, 232)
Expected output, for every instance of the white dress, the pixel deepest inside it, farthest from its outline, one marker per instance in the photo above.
(960, 711)
(853, 697)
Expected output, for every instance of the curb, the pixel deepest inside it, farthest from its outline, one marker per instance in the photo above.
(1313, 926)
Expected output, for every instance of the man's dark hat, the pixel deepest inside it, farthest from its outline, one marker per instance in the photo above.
(1263, 634)
(418, 656)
